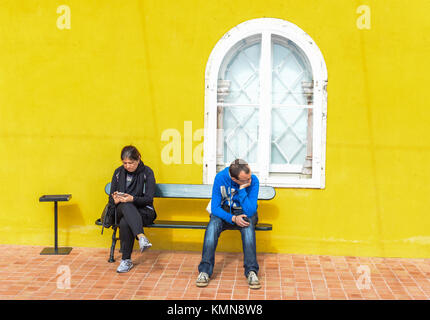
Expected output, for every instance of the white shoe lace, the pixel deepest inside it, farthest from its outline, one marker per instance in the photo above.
(252, 277)
(146, 243)
(202, 277)
(125, 263)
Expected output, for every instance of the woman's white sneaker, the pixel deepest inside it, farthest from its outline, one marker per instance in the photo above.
(124, 266)
(144, 243)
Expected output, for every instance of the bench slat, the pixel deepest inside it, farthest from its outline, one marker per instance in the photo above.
(196, 191)
(191, 225)
(197, 225)
(193, 191)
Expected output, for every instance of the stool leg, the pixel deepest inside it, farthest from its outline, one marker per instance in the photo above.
(56, 226)
(112, 248)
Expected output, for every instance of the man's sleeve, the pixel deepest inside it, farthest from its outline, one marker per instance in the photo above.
(216, 208)
(248, 198)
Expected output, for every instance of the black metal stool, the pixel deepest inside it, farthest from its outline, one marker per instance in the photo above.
(55, 199)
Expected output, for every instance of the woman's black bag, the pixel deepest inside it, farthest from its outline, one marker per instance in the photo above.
(107, 219)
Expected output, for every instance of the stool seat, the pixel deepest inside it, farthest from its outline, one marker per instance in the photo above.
(55, 197)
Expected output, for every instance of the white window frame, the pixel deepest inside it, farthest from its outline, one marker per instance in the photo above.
(268, 27)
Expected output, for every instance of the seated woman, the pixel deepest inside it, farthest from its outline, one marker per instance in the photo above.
(132, 192)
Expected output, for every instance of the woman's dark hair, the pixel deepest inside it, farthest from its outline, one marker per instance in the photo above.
(130, 152)
(237, 166)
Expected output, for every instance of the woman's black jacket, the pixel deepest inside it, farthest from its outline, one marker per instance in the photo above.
(142, 188)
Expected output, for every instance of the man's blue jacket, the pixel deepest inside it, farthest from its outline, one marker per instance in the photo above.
(225, 189)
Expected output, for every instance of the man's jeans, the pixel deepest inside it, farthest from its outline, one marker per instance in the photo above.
(215, 227)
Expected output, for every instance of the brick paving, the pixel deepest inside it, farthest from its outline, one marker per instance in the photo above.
(86, 274)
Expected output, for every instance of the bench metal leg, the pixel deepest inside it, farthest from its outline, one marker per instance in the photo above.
(112, 248)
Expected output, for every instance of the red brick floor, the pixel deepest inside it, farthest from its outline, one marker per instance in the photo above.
(86, 274)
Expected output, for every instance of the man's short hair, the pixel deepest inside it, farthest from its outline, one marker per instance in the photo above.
(237, 166)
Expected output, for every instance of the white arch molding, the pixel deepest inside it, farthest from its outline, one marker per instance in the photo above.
(266, 27)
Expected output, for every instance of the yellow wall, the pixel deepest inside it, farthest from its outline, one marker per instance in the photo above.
(128, 70)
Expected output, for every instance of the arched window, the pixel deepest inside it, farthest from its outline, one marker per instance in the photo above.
(266, 102)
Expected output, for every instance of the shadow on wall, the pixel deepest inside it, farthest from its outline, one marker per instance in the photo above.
(69, 218)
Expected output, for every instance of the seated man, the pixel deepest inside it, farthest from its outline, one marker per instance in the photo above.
(233, 206)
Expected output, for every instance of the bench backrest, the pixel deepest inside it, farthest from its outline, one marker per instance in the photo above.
(196, 191)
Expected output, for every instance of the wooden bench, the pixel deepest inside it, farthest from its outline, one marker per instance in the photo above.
(186, 191)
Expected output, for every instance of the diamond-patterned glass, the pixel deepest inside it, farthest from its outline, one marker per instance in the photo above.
(289, 123)
(240, 133)
(289, 129)
(238, 99)
(243, 73)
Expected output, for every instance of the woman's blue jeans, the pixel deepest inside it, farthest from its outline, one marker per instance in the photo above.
(213, 231)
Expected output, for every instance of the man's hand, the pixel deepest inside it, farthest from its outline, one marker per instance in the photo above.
(239, 220)
(246, 185)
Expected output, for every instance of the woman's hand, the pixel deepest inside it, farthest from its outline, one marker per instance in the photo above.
(116, 198)
(126, 198)
(123, 198)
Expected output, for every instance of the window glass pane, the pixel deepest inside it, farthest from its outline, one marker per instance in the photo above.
(241, 70)
(289, 133)
(240, 134)
(289, 70)
(238, 102)
(289, 123)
